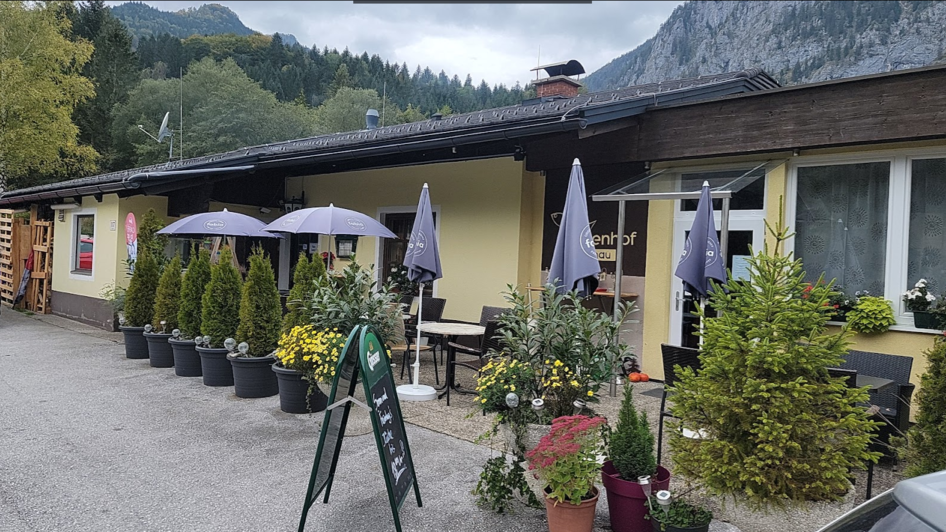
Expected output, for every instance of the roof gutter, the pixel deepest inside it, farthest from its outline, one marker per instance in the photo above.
(136, 180)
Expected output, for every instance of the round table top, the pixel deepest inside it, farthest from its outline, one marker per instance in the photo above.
(451, 329)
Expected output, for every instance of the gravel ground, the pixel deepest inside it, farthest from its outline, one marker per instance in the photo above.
(102, 442)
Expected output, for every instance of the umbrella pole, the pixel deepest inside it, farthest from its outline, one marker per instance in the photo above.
(619, 273)
(420, 313)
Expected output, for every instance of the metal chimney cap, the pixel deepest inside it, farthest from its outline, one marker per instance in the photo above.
(436, 116)
(371, 119)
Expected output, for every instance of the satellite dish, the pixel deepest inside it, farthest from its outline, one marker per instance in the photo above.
(164, 131)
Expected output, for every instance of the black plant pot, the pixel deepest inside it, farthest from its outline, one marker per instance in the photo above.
(215, 367)
(656, 527)
(186, 359)
(293, 391)
(924, 319)
(252, 376)
(135, 344)
(159, 350)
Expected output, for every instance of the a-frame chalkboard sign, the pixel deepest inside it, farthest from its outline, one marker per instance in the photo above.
(364, 358)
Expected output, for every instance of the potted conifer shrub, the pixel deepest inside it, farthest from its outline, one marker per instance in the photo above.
(139, 305)
(219, 319)
(306, 276)
(776, 430)
(258, 331)
(166, 306)
(926, 441)
(632, 472)
(183, 346)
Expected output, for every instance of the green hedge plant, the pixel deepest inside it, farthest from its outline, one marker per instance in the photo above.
(139, 298)
(192, 291)
(632, 443)
(871, 315)
(220, 304)
(926, 448)
(149, 240)
(776, 428)
(350, 299)
(308, 274)
(260, 309)
(168, 297)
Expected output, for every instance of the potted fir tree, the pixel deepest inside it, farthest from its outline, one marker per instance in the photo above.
(139, 305)
(926, 441)
(566, 461)
(166, 305)
(219, 318)
(183, 346)
(632, 472)
(258, 331)
(307, 275)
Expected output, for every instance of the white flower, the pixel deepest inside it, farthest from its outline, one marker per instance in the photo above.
(921, 283)
(930, 297)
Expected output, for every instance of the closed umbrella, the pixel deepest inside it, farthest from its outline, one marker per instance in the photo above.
(422, 260)
(574, 261)
(701, 260)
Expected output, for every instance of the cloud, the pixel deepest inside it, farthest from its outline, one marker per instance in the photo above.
(495, 42)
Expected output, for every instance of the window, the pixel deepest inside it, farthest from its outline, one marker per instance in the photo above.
(925, 256)
(84, 243)
(841, 224)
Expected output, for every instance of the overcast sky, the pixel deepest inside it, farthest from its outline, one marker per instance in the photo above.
(495, 42)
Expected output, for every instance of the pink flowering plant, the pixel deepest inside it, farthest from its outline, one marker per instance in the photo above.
(566, 459)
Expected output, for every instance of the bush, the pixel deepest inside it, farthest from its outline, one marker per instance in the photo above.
(566, 457)
(871, 314)
(926, 448)
(139, 298)
(168, 297)
(307, 275)
(311, 352)
(777, 427)
(220, 304)
(349, 299)
(632, 443)
(260, 309)
(192, 291)
(149, 240)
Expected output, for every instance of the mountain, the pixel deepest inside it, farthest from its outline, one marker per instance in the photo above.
(793, 41)
(143, 20)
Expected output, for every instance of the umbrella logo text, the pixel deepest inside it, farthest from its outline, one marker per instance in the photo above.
(289, 221)
(214, 225)
(418, 244)
(355, 224)
(588, 242)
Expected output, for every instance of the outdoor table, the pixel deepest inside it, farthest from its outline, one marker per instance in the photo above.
(451, 331)
(877, 384)
(599, 294)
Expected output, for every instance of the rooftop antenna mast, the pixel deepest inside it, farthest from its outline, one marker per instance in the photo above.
(180, 147)
(162, 133)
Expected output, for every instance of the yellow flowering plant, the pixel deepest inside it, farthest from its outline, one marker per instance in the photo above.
(311, 351)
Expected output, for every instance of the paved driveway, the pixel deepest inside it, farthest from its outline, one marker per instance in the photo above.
(92, 441)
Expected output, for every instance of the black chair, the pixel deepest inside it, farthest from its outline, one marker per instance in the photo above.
(851, 376)
(432, 311)
(894, 407)
(487, 314)
(673, 356)
(491, 340)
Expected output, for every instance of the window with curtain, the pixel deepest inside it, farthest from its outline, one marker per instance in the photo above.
(841, 224)
(927, 224)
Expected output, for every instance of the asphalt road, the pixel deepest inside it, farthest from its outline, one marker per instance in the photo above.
(92, 441)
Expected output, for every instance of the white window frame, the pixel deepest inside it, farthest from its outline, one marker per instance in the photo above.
(74, 271)
(898, 215)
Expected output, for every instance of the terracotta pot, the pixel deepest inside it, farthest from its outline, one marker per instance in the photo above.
(627, 504)
(568, 517)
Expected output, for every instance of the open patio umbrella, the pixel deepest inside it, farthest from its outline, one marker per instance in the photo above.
(329, 220)
(422, 260)
(701, 260)
(223, 223)
(574, 260)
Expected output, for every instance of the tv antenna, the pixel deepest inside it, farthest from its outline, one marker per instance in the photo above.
(162, 133)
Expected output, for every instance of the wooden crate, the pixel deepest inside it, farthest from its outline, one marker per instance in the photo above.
(8, 281)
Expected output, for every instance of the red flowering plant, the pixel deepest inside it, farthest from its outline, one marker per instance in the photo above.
(566, 459)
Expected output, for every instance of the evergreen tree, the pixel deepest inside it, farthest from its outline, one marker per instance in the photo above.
(632, 443)
(778, 428)
(139, 299)
(307, 276)
(926, 450)
(260, 308)
(220, 304)
(168, 297)
(149, 240)
(192, 290)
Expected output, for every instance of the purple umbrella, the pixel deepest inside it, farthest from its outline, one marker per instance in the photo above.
(224, 223)
(574, 260)
(329, 220)
(701, 260)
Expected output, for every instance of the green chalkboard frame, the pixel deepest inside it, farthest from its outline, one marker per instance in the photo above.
(363, 356)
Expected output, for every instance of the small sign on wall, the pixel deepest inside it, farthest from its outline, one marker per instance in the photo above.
(112, 225)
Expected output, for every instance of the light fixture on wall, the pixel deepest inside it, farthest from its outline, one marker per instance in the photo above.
(293, 204)
(62, 208)
(796, 152)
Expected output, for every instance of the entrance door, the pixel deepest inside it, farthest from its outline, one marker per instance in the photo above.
(393, 250)
(742, 234)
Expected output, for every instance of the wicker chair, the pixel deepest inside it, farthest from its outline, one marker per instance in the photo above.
(894, 407)
(491, 340)
(673, 356)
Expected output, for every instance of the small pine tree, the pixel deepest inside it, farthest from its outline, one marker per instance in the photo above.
(778, 428)
(220, 304)
(139, 299)
(149, 240)
(308, 274)
(167, 300)
(260, 309)
(632, 444)
(926, 449)
(192, 291)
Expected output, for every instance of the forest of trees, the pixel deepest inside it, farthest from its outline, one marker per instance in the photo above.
(235, 91)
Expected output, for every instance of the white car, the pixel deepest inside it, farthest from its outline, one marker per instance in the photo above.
(913, 505)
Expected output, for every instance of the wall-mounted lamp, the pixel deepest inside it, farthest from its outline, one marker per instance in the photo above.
(293, 204)
(796, 152)
(647, 166)
(264, 210)
(62, 208)
(519, 154)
